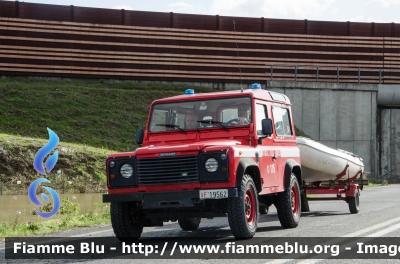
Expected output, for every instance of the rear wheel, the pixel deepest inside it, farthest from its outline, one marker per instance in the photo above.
(288, 204)
(127, 225)
(354, 203)
(243, 210)
(304, 202)
(189, 224)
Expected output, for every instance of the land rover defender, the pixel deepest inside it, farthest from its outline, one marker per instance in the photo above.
(239, 158)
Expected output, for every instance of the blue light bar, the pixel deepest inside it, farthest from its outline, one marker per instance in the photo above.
(255, 86)
(189, 91)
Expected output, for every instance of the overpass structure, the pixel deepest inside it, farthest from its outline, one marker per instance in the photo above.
(72, 41)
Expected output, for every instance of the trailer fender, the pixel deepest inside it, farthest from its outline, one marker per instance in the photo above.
(292, 166)
(248, 166)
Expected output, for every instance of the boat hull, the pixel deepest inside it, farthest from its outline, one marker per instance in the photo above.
(321, 163)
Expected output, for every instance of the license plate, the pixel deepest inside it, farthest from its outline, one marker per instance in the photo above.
(213, 194)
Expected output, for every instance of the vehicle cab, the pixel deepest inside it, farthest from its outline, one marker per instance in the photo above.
(208, 155)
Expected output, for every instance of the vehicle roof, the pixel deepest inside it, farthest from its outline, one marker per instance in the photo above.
(254, 93)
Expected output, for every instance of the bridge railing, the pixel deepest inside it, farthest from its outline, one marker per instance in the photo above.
(317, 73)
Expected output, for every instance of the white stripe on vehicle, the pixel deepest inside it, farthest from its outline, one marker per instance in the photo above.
(268, 151)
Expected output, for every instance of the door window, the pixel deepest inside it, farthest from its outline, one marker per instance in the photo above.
(260, 115)
(283, 126)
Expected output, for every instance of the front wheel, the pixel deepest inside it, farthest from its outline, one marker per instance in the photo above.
(243, 210)
(288, 204)
(127, 225)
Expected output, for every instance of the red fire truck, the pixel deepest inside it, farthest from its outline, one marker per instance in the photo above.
(239, 158)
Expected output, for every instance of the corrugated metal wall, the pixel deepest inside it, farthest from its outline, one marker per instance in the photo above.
(71, 41)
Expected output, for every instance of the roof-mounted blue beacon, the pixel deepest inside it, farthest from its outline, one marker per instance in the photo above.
(255, 86)
(189, 91)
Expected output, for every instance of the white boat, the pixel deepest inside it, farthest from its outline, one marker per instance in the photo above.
(322, 163)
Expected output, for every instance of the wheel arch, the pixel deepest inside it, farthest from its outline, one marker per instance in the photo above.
(292, 166)
(248, 166)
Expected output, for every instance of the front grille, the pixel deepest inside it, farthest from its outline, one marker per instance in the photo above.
(166, 170)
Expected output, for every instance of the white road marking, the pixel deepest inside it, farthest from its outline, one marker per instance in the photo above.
(371, 228)
(385, 231)
(376, 234)
(354, 234)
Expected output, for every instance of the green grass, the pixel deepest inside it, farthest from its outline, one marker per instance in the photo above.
(384, 182)
(370, 185)
(17, 228)
(300, 133)
(99, 113)
(82, 167)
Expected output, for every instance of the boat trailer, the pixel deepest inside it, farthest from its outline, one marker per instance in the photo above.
(348, 191)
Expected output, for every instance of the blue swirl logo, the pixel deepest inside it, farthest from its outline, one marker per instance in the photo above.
(32, 196)
(44, 151)
(38, 165)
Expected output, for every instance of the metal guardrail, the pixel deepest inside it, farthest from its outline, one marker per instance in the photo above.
(285, 69)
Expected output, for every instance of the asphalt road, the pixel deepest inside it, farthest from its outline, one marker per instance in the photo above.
(379, 216)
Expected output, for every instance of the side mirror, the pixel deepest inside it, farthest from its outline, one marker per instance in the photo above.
(139, 136)
(267, 126)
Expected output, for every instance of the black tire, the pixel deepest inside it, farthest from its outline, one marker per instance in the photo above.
(304, 202)
(354, 203)
(189, 224)
(127, 227)
(243, 210)
(263, 209)
(288, 204)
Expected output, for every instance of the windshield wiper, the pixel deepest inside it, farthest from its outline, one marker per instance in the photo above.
(172, 126)
(212, 122)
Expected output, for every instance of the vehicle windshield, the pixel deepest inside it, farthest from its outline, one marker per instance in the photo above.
(221, 113)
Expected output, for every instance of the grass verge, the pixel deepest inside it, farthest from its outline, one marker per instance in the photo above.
(79, 167)
(99, 113)
(68, 220)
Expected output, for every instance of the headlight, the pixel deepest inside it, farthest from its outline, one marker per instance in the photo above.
(211, 165)
(126, 170)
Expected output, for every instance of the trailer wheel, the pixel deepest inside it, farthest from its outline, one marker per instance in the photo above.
(189, 224)
(243, 210)
(354, 203)
(127, 226)
(288, 204)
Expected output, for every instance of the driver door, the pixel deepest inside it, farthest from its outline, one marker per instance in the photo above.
(268, 152)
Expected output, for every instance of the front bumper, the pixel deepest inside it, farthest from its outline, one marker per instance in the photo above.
(163, 199)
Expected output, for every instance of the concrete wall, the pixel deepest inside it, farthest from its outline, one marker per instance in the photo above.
(338, 115)
(389, 141)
